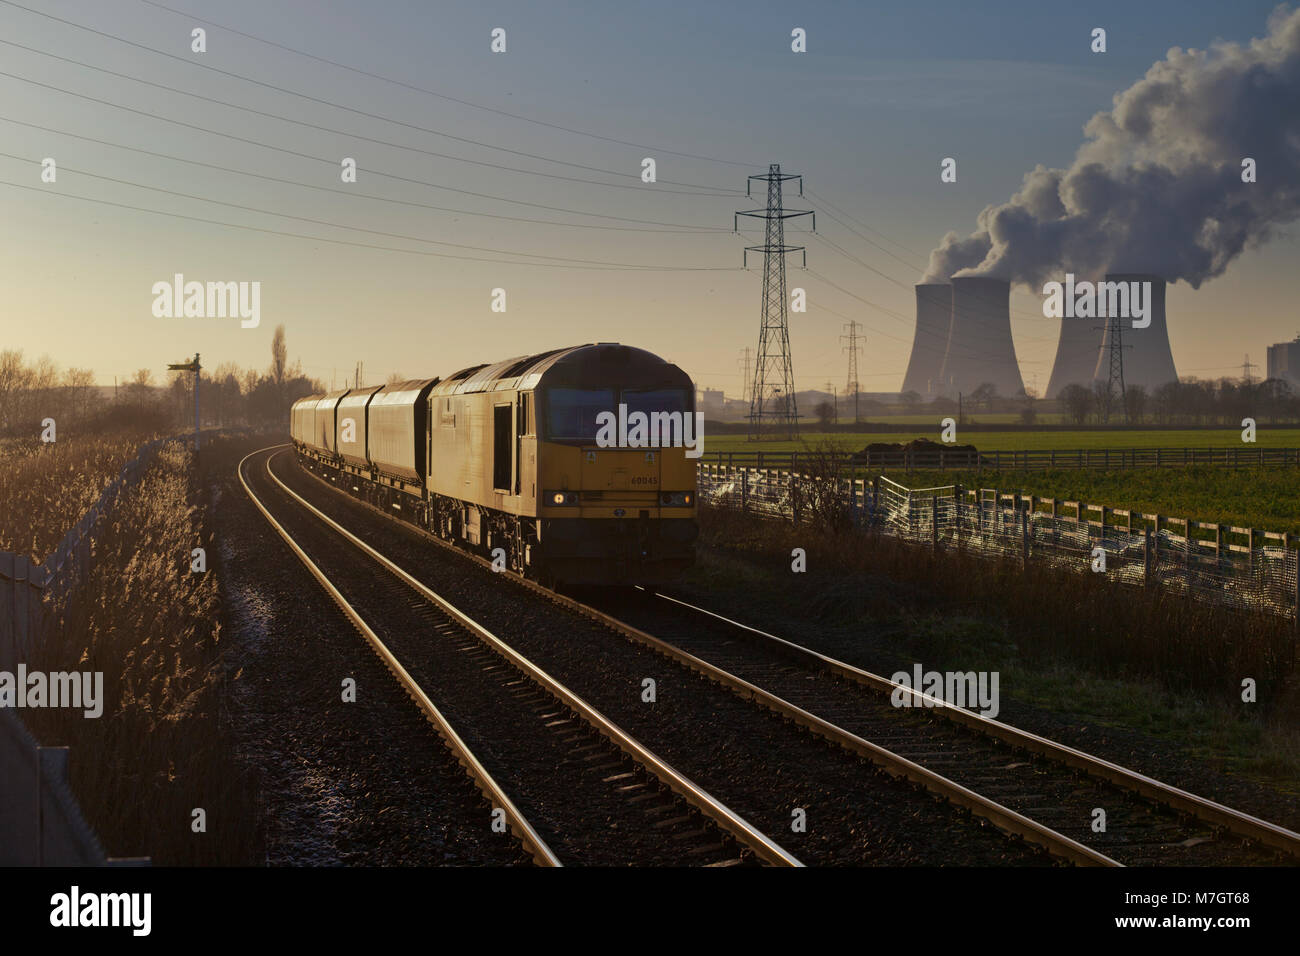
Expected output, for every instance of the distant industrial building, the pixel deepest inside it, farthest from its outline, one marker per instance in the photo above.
(710, 401)
(1284, 361)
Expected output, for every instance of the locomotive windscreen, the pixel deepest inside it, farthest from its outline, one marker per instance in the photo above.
(650, 400)
(571, 412)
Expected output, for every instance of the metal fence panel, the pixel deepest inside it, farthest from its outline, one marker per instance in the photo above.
(1258, 574)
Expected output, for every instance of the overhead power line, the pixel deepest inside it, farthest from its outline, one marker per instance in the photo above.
(442, 96)
(693, 189)
(599, 267)
(301, 155)
(679, 228)
(318, 222)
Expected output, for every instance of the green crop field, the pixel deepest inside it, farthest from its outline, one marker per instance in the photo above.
(1264, 498)
(1017, 440)
(924, 419)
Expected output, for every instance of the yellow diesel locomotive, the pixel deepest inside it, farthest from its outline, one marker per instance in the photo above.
(510, 460)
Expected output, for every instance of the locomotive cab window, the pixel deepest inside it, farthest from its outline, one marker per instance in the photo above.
(650, 400)
(502, 447)
(571, 412)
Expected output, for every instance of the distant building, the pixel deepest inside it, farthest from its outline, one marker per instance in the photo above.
(711, 402)
(1284, 361)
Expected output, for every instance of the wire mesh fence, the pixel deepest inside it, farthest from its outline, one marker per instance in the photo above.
(1238, 567)
(935, 457)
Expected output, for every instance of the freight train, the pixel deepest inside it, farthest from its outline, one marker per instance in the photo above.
(503, 459)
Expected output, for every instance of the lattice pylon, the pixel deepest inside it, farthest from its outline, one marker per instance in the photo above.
(772, 406)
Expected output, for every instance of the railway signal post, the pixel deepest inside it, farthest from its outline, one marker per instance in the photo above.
(194, 367)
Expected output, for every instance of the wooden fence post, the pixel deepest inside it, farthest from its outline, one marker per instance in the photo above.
(1146, 558)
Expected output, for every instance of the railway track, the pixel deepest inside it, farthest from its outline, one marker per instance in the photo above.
(596, 794)
(1148, 822)
(983, 808)
(1024, 784)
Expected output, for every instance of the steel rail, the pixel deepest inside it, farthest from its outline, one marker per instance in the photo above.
(1201, 808)
(496, 796)
(1004, 818)
(895, 765)
(744, 832)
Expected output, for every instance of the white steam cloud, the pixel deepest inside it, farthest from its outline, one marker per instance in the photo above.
(1157, 186)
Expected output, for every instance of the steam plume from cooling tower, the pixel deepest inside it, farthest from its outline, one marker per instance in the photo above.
(1157, 187)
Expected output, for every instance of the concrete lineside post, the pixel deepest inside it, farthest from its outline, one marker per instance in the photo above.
(1025, 537)
(934, 522)
(1146, 558)
(958, 499)
(1287, 539)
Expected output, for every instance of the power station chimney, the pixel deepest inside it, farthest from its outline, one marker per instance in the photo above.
(1148, 359)
(979, 339)
(1077, 353)
(933, 317)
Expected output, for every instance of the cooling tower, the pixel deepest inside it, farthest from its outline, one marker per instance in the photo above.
(933, 316)
(979, 339)
(1077, 353)
(1148, 359)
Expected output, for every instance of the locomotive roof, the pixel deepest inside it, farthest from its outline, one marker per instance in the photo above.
(575, 366)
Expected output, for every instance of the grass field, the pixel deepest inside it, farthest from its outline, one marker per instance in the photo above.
(1018, 440)
(1267, 499)
(924, 419)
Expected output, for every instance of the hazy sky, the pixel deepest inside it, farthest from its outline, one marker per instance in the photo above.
(866, 115)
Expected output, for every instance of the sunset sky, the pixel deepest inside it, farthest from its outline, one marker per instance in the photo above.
(866, 115)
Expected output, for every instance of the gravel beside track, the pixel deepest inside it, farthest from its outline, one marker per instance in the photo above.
(366, 783)
(586, 798)
(755, 762)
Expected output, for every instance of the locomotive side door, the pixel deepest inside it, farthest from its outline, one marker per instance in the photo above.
(504, 442)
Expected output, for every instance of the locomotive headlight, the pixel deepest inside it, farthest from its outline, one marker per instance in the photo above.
(562, 497)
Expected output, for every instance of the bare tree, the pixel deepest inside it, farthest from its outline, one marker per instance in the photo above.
(1028, 413)
(1135, 403)
(984, 395)
(79, 383)
(140, 385)
(1077, 402)
(14, 381)
(279, 358)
